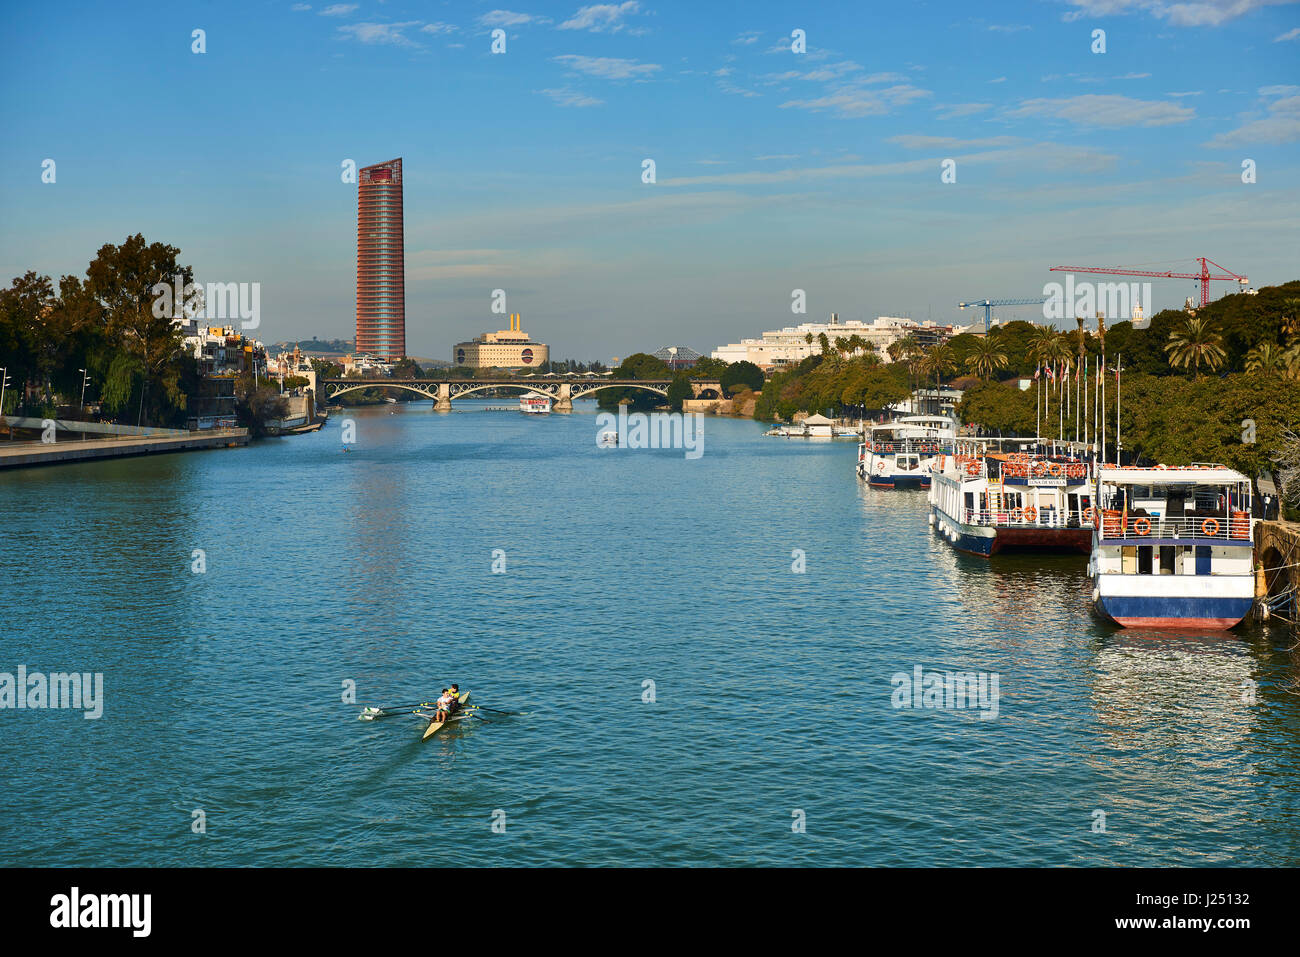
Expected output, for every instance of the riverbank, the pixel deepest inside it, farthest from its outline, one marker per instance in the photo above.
(31, 454)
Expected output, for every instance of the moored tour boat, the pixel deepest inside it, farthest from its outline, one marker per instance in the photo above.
(985, 504)
(1173, 547)
(899, 454)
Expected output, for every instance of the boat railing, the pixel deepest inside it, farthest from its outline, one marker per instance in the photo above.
(1030, 517)
(917, 446)
(1130, 527)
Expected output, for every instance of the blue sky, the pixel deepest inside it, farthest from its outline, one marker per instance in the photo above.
(775, 170)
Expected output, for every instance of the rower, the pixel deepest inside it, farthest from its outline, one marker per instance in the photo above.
(445, 704)
(454, 691)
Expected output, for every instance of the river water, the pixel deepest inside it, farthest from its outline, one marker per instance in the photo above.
(691, 697)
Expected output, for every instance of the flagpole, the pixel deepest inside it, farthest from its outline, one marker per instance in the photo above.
(1119, 369)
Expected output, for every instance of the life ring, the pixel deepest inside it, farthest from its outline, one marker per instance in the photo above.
(1040, 468)
(972, 468)
(1031, 514)
(1209, 531)
(1016, 514)
(1074, 470)
(1142, 526)
(1089, 514)
(1054, 469)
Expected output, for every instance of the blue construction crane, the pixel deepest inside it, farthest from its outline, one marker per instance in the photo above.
(988, 305)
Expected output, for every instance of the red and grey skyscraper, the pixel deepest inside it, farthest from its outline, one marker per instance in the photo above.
(381, 269)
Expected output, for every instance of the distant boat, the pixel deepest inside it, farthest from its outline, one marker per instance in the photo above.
(535, 403)
(390, 399)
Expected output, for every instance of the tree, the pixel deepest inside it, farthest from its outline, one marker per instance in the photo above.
(1194, 344)
(741, 373)
(1265, 357)
(679, 390)
(987, 357)
(122, 280)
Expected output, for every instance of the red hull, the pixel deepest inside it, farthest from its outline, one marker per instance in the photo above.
(1059, 539)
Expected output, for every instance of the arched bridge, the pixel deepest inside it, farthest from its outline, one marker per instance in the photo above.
(562, 389)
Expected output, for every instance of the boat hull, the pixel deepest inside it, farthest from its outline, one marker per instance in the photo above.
(1202, 611)
(987, 540)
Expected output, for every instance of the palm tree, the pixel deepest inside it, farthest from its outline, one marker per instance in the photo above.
(1291, 321)
(986, 357)
(1042, 345)
(1265, 357)
(1194, 344)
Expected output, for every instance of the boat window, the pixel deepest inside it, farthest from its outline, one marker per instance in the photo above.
(1128, 559)
(1144, 560)
(1167, 559)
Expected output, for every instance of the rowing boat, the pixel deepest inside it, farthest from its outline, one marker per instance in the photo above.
(433, 727)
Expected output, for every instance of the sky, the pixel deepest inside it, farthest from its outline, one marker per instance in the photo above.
(775, 170)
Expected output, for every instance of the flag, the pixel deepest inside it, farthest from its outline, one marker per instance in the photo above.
(1037, 369)
(1050, 373)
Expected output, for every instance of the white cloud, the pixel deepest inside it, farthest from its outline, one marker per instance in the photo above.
(608, 68)
(1036, 155)
(1289, 35)
(602, 17)
(338, 9)
(1189, 13)
(300, 7)
(917, 142)
(747, 38)
(509, 18)
(564, 96)
(382, 33)
(999, 79)
(855, 101)
(1280, 123)
(1109, 110)
(436, 28)
(955, 111)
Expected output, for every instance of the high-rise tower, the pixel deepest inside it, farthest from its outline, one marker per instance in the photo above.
(381, 269)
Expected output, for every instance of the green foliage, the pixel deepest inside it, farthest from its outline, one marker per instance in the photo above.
(999, 408)
(258, 404)
(639, 365)
(828, 383)
(679, 390)
(741, 374)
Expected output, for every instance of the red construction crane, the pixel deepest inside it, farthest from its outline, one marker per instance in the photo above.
(1204, 275)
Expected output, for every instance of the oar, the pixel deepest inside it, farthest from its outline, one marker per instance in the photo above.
(499, 711)
(398, 709)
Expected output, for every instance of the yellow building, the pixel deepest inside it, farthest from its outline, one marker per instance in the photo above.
(505, 349)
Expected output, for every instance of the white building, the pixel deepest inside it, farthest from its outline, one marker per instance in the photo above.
(789, 346)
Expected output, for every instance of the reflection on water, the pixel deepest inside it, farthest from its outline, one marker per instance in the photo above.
(374, 566)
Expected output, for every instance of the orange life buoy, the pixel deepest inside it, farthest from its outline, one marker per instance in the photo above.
(1031, 514)
(1089, 514)
(972, 468)
(1054, 469)
(1074, 470)
(1016, 514)
(1142, 526)
(1040, 468)
(1210, 527)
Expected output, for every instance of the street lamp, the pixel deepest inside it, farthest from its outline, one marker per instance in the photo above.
(81, 409)
(4, 381)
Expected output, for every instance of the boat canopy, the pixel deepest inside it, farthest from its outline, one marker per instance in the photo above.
(1172, 475)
